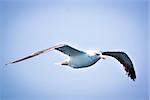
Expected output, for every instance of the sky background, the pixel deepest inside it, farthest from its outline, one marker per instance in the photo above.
(29, 26)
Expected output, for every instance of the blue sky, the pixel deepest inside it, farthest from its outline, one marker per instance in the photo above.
(29, 26)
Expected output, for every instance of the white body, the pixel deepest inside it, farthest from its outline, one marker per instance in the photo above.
(84, 60)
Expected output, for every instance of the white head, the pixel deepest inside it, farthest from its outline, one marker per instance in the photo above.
(94, 52)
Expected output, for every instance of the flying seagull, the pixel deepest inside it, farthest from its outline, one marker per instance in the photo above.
(82, 59)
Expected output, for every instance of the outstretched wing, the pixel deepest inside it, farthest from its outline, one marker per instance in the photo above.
(66, 49)
(70, 51)
(124, 59)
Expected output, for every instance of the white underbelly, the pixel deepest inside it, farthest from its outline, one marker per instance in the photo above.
(82, 61)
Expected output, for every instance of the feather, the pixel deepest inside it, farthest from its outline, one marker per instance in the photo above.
(124, 59)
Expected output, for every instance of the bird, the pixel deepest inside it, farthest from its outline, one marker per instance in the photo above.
(82, 59)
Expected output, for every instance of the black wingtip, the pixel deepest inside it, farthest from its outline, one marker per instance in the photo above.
(131, 73)
(8, 63)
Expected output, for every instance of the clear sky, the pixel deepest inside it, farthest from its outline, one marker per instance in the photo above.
(29, 26)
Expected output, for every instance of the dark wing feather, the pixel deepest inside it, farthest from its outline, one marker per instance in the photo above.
(36, 54)
(66, 49)
(70, 51)
(124, 59)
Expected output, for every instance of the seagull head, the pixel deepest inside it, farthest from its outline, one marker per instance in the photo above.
(94, 52)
